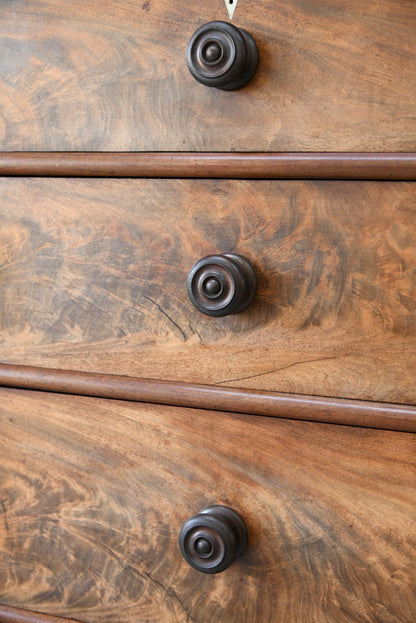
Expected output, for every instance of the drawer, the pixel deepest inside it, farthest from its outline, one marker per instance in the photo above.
(94, 494)
(334, 75)
(93, 278)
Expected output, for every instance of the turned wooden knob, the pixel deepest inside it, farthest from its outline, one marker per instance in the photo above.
(219, 285)
(211, 540)
(223, 56)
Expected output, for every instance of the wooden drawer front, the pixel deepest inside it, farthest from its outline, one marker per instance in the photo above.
(334, 75)
(93, 277)
(94, 494)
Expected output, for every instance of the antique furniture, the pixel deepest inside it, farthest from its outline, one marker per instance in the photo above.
(207, 311)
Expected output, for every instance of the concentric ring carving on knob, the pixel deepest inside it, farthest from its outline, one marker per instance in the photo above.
(223, 56)
(211, 540)
(224, 284)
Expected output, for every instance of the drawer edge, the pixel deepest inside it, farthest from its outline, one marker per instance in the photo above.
(367, 414)
(277, 165)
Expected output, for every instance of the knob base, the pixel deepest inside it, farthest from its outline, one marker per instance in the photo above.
(222, 56)
(250, 67)
(211, 540)
(224, 284)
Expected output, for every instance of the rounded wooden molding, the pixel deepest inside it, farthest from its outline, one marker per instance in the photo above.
(272, 165)
(362, 413)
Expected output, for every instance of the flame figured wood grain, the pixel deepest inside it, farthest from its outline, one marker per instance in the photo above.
(94, 492)
(20, 615)
(93, 278)
(334, 75)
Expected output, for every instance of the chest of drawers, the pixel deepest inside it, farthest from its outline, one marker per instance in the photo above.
(333, 76)
(97, 491)
(119, 172)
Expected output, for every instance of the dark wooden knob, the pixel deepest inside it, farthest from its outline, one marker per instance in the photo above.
(223, 56)
(219, 285)
(211, 540)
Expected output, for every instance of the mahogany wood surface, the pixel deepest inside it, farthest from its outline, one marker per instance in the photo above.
(353, 166)
(93, 278)
(94, 492)
(380, 415)
(19, 615)
(334, 75)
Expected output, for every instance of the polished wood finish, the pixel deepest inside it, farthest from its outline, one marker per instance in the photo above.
(93, 278)
(352, 166)
(94, 490)
(94, 493)
(334, 75)
(18, 615)
(298, 407)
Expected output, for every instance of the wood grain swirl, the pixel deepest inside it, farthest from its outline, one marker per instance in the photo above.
(334, 75)
(93, 494)
(93, 278)
(20, 615)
